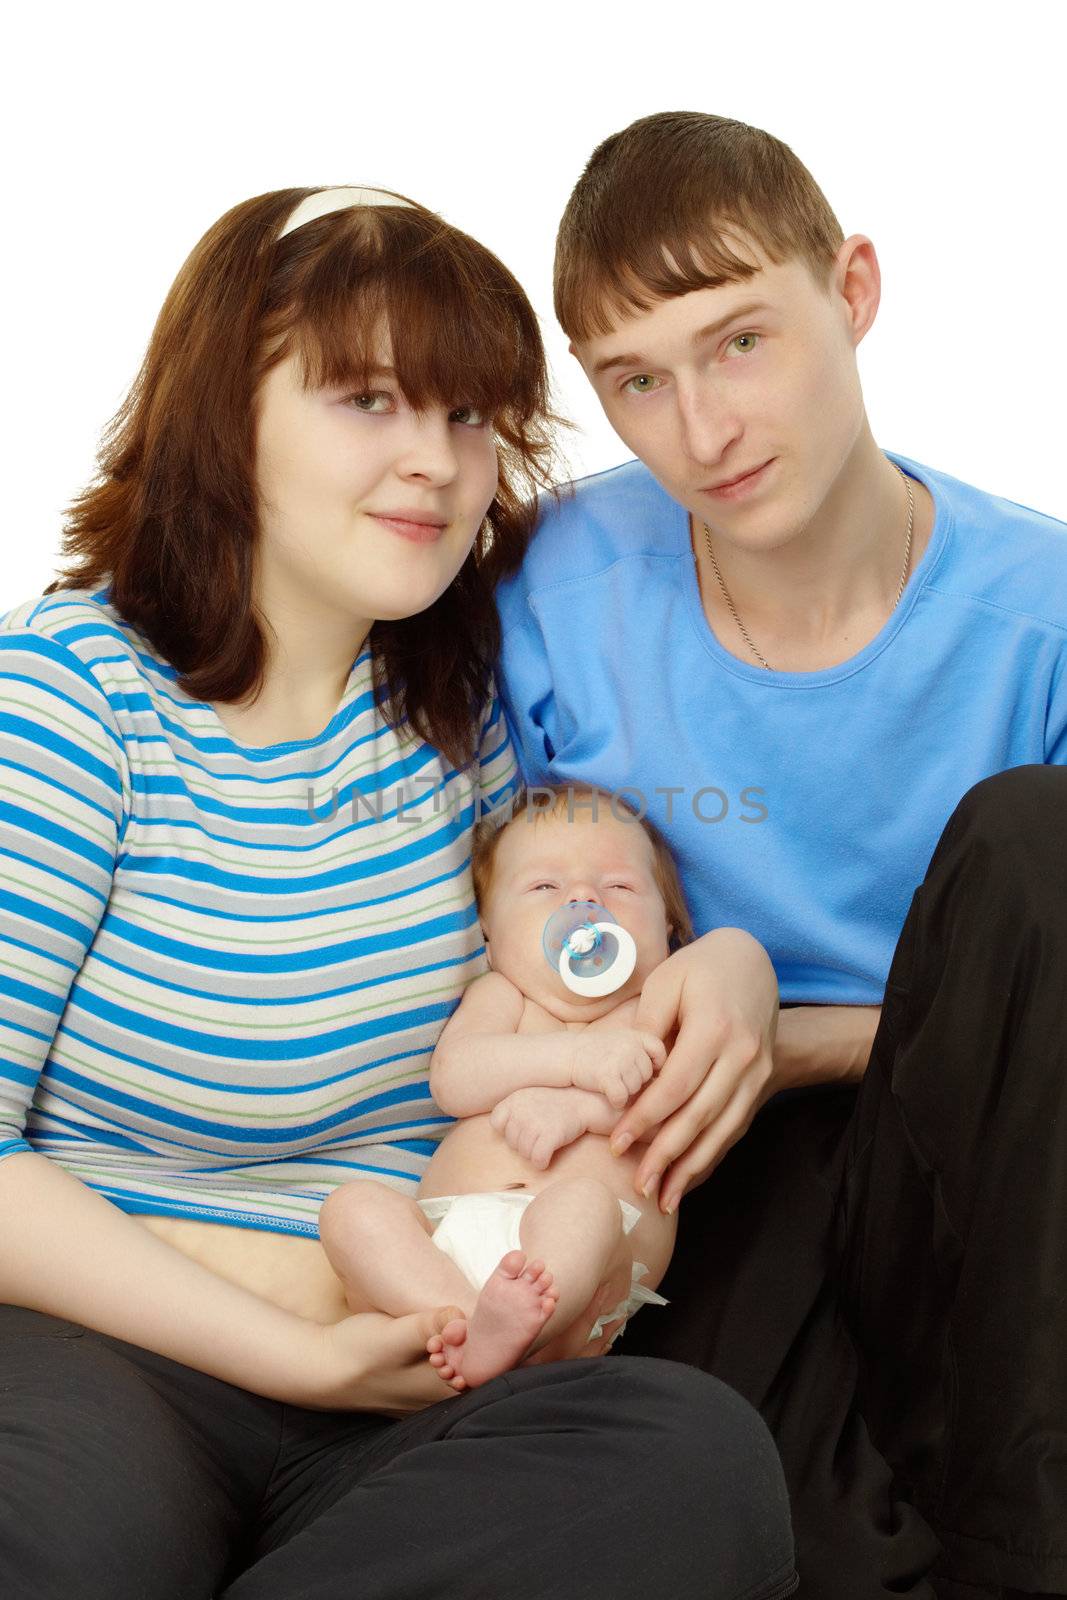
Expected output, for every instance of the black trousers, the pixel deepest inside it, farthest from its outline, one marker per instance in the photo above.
(127, 1476)
(882, 1271)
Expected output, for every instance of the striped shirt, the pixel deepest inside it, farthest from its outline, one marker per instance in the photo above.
(224, 969)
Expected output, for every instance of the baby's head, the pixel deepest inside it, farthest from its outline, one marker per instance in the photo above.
(569, 843)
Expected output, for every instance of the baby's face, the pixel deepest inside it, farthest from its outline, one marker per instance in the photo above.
(542, 863)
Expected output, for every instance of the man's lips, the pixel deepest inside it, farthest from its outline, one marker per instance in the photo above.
(740, 483)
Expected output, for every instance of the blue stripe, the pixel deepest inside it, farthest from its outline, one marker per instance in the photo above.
(238, 1049)
(292, 1002)
(192, 791)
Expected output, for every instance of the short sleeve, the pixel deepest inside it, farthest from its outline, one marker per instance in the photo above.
(525, 683)
(1056, 716)
(498, 772)
(63, 791)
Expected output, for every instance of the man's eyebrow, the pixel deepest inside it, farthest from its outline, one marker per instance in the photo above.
(635, 359)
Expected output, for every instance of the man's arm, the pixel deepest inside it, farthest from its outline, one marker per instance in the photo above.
(823, 1044)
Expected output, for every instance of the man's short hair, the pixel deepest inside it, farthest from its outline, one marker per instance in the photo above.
(654, 213)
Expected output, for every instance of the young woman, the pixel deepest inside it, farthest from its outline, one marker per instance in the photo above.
(246, 736)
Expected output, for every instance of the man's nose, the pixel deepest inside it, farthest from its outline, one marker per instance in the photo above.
(708, 429)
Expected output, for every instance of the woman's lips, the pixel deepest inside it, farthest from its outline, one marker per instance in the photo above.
(744, 486)
(417, 532)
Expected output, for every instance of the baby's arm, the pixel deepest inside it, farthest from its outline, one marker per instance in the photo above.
(480, 1057)
(537, 1122)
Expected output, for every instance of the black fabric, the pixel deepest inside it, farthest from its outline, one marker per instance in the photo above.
(882, 1271)
(127, 1476)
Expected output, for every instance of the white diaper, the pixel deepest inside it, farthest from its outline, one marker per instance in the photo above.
(475, 1230)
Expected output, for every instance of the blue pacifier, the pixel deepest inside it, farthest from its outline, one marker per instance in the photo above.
(592, 953)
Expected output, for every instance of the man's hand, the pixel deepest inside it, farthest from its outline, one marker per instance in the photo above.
(722, 996)
(537, 1122)
(616, 1062)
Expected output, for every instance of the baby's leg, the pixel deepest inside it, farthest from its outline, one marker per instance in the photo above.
(378, 1243)
(575, 1225)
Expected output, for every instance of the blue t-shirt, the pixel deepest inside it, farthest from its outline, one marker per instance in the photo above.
(809, 803)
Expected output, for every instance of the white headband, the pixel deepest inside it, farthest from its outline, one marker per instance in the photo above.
(330, 200)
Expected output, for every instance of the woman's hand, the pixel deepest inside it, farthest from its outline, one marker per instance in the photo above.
(721, 994)
(373, 1362)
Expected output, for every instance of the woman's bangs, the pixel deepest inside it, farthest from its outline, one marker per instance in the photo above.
(453, 328)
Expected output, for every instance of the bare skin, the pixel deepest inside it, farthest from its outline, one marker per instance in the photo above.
(539, 1084)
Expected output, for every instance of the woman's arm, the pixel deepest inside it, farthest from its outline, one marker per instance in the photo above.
(67, 1251)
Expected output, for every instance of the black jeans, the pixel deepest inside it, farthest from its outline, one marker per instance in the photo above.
(883, 1271)
(124, 1474)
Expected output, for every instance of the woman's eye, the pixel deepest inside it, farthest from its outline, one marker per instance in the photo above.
(469, 416)
(374, 402)
(641, 383)
(739, 342)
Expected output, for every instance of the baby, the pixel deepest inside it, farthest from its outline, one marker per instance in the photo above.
(523, 1210)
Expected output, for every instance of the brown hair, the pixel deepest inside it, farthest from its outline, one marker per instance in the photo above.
(555, 800)
(171, 522)
(647, 218)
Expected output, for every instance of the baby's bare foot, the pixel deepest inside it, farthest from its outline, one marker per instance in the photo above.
(515, 1303)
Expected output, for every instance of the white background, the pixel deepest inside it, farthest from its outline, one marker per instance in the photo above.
(937, 130)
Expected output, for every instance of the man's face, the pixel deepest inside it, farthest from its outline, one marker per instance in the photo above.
(755, 377)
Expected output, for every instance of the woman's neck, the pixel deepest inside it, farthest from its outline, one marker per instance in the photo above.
(309, 656)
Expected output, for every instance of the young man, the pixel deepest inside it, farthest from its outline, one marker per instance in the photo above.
(809, 658)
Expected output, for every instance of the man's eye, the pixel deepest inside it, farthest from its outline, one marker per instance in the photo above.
(373, 402)
(641, 383)
(469, 416)
(744, 349)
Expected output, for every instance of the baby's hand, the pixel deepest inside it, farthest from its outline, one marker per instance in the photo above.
(615, 1062)
(537, 1122)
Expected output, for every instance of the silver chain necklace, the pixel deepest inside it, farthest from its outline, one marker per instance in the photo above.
(896, 602)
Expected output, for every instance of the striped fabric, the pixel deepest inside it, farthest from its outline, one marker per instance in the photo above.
(224, 969)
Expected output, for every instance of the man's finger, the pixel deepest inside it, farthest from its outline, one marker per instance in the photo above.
(703, 1109)
(657, 1008)
(688, 1065)
(654, 1048)
(701, 1159)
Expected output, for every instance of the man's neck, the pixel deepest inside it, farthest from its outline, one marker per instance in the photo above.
(819, 598)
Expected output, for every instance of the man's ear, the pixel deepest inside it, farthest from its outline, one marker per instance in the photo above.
(857, 280)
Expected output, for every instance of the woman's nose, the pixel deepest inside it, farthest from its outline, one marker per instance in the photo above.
(429, 450)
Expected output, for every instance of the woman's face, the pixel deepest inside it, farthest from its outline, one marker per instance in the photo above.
(367, 508)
